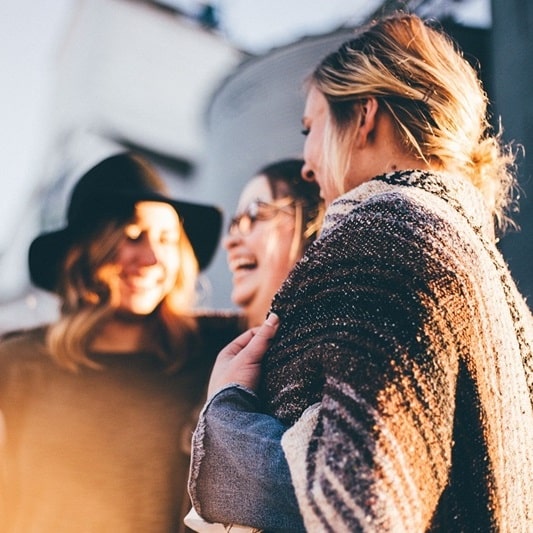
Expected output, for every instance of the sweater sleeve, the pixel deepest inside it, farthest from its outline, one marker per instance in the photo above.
(358, 466)
(374, 453)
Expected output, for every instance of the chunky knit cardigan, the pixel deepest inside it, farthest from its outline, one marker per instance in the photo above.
(403, 365)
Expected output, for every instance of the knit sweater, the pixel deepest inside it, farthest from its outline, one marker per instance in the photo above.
(403, 363)
(99, 451)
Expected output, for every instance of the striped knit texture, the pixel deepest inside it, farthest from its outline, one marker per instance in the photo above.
(403, 327)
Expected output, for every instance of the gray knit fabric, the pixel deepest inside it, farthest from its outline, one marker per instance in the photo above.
(403, 328)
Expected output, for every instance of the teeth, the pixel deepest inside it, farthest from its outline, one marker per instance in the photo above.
(141, 283)
(242, 262)
(142, 286)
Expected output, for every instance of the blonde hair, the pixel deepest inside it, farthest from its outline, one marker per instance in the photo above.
(87, 301)
(435, 99)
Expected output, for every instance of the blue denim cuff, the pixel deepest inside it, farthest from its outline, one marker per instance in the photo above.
(239, 474)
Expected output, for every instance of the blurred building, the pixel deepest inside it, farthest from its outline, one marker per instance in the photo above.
(510, 51)
(253, 119)
(138, 74)
(127, 74)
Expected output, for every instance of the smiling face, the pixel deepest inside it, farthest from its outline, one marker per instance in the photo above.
(147, 260)
(261, 258)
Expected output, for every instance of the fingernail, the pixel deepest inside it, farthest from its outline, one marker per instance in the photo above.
(272, 319)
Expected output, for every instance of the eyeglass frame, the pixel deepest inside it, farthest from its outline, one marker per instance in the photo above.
(251, 214)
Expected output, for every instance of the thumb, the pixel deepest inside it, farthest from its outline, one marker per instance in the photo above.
(260, 342)
(240, 361)
(268, 328)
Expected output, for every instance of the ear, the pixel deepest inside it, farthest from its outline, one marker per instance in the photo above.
(367, 120)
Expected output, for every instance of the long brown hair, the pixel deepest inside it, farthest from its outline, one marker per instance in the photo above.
(87, 304)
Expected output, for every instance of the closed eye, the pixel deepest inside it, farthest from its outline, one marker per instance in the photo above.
(169, 238)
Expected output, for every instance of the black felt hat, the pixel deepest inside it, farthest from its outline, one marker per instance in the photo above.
(109, 191)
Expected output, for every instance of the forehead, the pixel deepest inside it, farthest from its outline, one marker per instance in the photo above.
(156, 214)
(258, 188)
(263, 189)
(316, 105)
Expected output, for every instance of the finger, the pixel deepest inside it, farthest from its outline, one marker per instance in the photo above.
(253, 352)
(268, 328)
(237, 344)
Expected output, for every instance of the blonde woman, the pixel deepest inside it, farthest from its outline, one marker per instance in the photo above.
(98, 407)
(397, 393)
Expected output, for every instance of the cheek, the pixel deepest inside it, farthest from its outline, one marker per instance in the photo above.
(278, 246)
(259, 238)
(314, 142)
(171, 261)
(308, 150)
(123, 254)
(270, 242)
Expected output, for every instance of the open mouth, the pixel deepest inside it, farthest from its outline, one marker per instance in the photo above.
(242, 263)
(141, 289)
(140, 284)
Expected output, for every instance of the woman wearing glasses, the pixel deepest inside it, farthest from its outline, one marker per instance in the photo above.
(278, 217)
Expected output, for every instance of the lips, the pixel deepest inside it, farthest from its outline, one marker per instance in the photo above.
(240, 263)
(141, 283)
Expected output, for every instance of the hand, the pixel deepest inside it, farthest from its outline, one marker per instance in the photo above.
(240, 361)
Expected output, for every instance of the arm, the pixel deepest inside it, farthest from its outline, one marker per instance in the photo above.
(375, 454)
(238, 470)
(359, 466)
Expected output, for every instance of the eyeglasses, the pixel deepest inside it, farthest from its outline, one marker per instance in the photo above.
(257, 210)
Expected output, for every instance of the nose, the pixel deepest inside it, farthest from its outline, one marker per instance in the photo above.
(147, 254)
(307, 173)
(231, 239)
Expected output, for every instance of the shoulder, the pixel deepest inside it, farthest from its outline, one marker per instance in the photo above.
(404, 192)
(18, 339)
(218, 328)
(392, 226)
(22, 351)
(220, 321)
(388, 242)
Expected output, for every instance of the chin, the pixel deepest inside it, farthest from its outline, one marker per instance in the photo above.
(139, 308)
(131, 315)
(242, 300)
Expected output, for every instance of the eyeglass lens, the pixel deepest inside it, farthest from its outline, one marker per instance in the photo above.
(257, 210)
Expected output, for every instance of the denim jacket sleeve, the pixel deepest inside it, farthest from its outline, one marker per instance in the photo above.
(239, 474)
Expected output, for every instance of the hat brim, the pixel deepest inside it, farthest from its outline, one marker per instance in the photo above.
(202, 224)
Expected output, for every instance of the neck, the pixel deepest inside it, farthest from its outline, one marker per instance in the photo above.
(120, 335)
(382, 153)
(254, 317)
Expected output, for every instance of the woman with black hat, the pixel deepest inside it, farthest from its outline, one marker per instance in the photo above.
(96, 409)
